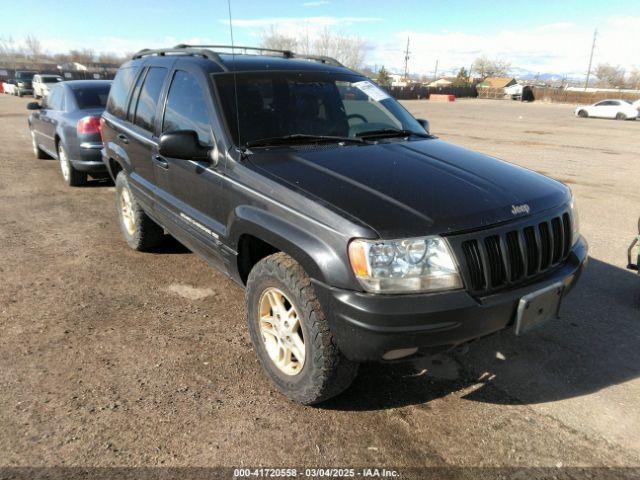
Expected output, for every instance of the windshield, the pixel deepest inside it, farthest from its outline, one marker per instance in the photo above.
(279, 104)
(50, 79)
(25, 75)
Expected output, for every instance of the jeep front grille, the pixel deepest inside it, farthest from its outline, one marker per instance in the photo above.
(509, 256)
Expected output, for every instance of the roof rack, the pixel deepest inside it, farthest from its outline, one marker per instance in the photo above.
(284, 53)
(180, 50)
(208, 51)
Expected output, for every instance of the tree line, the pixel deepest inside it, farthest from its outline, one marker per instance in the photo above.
(32, 50)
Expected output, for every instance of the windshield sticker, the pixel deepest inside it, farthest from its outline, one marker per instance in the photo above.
(371, 90)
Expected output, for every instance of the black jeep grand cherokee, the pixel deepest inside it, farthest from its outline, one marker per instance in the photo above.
(358, 235)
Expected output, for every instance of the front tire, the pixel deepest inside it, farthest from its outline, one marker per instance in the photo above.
(291, 335)
(71, 176)
(140, 232)
(583, 114)
(37, 151)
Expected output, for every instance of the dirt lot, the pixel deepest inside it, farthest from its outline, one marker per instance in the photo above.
(112, 357)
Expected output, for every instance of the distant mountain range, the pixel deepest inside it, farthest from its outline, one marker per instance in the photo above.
(521, 74)
(524, 74)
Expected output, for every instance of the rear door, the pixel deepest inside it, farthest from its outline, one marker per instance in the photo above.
(190, 192)
(142, 139)
(48, 119)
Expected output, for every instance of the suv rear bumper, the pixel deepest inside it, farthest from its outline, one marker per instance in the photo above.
(367, 326)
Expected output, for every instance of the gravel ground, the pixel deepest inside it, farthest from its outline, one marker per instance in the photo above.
(110, 357)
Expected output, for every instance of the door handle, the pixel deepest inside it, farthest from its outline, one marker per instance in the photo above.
(123, 138)
(161, 161)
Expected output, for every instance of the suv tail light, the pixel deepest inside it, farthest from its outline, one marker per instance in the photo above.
(88, 125)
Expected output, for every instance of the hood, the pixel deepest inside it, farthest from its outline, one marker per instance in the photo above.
(413, 188)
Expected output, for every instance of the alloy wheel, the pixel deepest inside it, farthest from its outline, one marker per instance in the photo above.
(64, 164)
(34, 144)
(281, 331)
(126, 211)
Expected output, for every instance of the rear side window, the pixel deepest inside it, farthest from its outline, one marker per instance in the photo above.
(187, 108)
(147, 101)
(92, 97)
(56, 99)
(117, 103)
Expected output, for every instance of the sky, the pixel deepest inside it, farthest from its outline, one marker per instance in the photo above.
(538, 36)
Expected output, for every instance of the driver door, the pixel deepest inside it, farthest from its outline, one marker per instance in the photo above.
(190, 191)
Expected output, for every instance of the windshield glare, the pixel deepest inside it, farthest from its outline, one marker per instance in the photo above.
(277, 104)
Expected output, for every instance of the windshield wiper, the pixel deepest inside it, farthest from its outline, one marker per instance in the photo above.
(391, 132)
(300, 138)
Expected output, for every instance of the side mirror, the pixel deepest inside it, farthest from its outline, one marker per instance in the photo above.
(33, 106)
(182, 144)
(424, 123)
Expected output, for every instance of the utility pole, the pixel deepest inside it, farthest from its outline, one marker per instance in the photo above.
(593, 47)
(435, 72)
(406, 62)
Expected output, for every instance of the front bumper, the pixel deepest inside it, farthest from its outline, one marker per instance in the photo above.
(366, 326)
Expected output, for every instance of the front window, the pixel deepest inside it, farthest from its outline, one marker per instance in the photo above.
(280, 104)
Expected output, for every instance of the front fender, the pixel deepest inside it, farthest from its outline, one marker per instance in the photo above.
(320, 250)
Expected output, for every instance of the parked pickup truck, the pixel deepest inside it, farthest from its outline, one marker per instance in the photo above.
(357, 235)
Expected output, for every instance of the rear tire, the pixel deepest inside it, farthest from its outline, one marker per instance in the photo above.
(583, 114)
(621, 116)
(323, 371)
(140, 232)
(71, 176)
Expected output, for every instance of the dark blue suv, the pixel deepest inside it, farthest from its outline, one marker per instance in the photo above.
(358, 235)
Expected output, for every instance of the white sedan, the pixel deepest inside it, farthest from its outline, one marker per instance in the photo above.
(618, 109)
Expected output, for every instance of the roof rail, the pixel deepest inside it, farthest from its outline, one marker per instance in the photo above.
(207, 51)
(204, 52)
(284, 53)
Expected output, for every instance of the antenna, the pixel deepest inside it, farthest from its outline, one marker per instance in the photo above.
(235, 74)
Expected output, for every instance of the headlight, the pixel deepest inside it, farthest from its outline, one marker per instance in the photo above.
(575, 221)
(422, 264)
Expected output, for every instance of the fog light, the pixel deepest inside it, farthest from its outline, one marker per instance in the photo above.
(400, 353)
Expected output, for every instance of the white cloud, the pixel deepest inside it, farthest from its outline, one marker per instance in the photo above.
(322, 21)
(560, 47)
(315, 4)
(308, 27)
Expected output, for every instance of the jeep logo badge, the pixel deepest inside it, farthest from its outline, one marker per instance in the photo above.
(517, 209)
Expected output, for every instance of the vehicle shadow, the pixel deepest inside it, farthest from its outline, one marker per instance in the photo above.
(170, 246)
(99, 182)
(593, 346)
